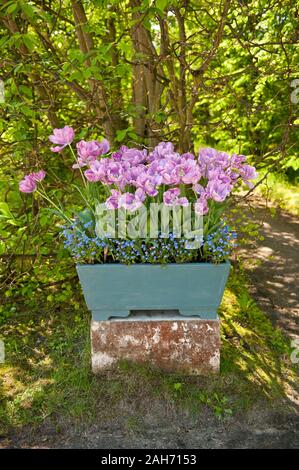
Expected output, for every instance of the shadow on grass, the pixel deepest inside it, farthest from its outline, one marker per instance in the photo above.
(252, 347)
(47, 374)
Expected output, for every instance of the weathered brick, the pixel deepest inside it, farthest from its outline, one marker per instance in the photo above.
(190, 346)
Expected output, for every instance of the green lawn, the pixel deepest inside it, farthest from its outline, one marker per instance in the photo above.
(284, 194)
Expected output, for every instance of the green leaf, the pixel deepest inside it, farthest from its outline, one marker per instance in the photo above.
(28, 111)
(177, 386)
(161, 5)
(6, 214)
(28, 10)
(85, 217)
(28, 41)
(26, 90)
(120, 135)
(12, 7)
(5, 210)
(293, 162)
(2, 247)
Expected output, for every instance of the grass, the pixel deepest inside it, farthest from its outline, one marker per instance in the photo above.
(47, 373)
(284, 194)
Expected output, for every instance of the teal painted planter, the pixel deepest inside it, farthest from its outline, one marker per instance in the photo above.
(113, 290)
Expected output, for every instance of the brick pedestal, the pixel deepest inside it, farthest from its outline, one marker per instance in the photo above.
(172, 343)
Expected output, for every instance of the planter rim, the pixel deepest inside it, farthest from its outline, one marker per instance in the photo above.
(118, 265)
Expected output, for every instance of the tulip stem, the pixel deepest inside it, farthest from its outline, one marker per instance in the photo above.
(64, 216)
(81, 173)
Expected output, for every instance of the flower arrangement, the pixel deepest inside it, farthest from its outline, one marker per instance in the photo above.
(132, 178)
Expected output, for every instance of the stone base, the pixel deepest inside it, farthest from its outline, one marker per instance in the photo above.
(184, 345)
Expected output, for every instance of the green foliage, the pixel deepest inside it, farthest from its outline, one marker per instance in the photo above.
(283, 193)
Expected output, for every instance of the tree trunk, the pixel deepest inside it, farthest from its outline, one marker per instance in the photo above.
(147, 85)
(86, 45)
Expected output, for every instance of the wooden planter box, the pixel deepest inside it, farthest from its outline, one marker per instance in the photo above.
(113, 290)
(177, 327)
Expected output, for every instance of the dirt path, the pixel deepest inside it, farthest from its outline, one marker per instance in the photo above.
(256, 429)
(273, 266)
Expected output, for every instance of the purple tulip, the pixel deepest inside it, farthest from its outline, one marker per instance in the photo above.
(171, 198)
(166, 169)
(113, 201)
(188, 172)
(38, 176)
(218, 190)
(29, 183)
(140, 194)
(62, 137)
(182, 201)
(220, 167)
(135, 174)
(114, 172)
(212, 176)
(222, 159)
(149, 183)
(206, 156)
(198, 188)
(104, 146)
(201, 205)
(232, 174)
(89, 151)
(247, 173)
(212, 160)
(219, 174)
(188, 156)
(162, 150)
(133, 156)
(97, 171)
(130, 202)
(237, 160)
(118, 155)
(150, 188)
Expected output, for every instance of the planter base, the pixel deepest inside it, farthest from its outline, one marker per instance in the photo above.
(174, 344)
